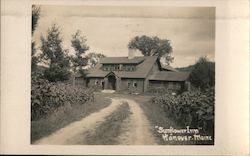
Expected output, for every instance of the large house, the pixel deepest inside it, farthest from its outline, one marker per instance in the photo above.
(135, 74)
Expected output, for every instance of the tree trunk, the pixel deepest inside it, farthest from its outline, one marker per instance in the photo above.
(74, 80)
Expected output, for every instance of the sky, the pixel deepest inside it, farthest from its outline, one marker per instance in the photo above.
(108, 29)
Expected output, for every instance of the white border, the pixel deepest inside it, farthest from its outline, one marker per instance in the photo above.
(232, 81)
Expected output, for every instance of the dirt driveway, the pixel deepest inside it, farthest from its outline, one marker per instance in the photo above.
(135, 130)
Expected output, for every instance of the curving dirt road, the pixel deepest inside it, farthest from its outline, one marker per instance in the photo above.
(135, 130)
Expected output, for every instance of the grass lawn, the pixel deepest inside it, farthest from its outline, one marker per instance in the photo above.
(65, 115)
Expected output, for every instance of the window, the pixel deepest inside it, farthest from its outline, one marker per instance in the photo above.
(135, 84)
(120, 67)
(96, 82)
(130, 68)
(106, 68)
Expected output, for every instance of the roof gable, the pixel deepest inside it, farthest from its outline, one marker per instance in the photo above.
(168, 68)
(142, 69)
(112, 73)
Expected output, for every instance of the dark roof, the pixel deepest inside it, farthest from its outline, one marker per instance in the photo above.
(167, 67)
(170, 76)
(121, 60)
(142, 69)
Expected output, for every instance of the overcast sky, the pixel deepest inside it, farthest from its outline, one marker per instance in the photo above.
(108, 29)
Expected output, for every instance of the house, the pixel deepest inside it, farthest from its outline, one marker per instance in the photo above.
(135, 74)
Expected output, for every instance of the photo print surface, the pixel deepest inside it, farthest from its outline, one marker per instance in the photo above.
(122, 75)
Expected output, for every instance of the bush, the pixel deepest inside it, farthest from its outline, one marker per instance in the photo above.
(203, 74)
(195, 109)
(47, 97)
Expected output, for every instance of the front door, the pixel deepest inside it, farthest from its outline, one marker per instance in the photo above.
(111, 82)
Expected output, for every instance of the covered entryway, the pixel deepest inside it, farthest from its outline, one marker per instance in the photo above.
(111, 82)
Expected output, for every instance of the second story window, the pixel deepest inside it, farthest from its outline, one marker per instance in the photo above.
(120, 67)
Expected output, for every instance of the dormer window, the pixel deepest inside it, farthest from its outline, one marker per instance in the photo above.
(106, 68)
(118, 67)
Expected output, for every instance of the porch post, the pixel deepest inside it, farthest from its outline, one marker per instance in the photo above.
(105, 83)
(117, 83)
(188, 85)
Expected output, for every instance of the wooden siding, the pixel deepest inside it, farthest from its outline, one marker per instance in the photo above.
(171, 85)
(96, 82)
(132, 85)
(80, 82)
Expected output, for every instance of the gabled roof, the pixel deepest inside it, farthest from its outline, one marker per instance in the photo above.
(113, 73)
(121, 60)
(142, 69)
(170, 76)
(167, 67)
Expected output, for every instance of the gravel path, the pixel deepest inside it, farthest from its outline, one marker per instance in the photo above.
(70, 133)
(135, 129)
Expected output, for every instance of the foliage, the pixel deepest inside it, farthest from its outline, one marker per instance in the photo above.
(34, 58)
(152, 46)
(78, 42)
(203, 74)
(93, 59)
(35, 18)
(54, 56)
(46, 96)
(66, 115)
(194, 109)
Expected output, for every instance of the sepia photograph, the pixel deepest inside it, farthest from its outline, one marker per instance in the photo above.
(127, 77)
(122, 75)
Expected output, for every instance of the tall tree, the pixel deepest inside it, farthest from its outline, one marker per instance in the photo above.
(78, 42)
(152, 46)
(55, 56)
(36, 10)
(203, 74)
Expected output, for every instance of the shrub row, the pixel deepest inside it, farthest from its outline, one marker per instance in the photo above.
(47, 97)
(192, 108)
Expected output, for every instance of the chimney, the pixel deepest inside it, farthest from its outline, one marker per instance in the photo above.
(131, 53)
